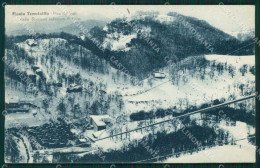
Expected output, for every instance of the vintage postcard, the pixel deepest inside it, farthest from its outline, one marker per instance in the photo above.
(130, 83)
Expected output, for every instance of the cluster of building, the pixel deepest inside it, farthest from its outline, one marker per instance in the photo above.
(98, 125)
(14, 105)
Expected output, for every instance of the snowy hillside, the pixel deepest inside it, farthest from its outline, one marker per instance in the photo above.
(131, 90)
(246, 153)
(226, 153)
(194, 89)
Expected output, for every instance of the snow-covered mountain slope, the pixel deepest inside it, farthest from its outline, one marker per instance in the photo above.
(118, 42)
(59, 61)
(56, 57)
(237, 61)
(144, 40)
(198, 80)
(192, 90)
(226, 153)
(220, 154)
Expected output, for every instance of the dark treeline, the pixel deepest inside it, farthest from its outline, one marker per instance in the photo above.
(232, 114)
(151, 147)
(159, 113)
(229, 113)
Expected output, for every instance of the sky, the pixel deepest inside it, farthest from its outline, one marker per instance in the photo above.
(228, 18)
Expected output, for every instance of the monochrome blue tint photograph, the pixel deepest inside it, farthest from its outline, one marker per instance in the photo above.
(130, 84)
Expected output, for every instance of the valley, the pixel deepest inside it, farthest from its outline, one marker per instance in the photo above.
(68, 100)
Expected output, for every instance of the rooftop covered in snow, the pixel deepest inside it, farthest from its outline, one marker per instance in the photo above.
(100, 119)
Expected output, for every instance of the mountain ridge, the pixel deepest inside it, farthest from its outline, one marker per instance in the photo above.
(143, 43)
